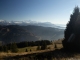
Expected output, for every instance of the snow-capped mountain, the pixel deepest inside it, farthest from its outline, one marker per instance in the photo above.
(30, 22)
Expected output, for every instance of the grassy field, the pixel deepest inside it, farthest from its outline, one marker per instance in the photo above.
(28, 48)
(34, 48)
(21, 53)
(48, 54)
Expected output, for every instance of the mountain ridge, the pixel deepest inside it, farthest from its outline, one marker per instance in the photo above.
(16, 33)
(29, 22)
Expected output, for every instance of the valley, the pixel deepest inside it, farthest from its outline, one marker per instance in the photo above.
(16, 33)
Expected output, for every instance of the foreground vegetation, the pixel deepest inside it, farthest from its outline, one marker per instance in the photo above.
(32, 49)
(53, 51)
(25, 46)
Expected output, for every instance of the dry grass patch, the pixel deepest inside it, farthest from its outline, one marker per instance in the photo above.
(28, 48)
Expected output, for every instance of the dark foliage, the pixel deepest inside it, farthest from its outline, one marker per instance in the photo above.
(73, 28)
(4, 48)
(1, 49)
(38, 48)
(30, 50)
(14, 48)
(26, 50)
(43, 46)
(33, 43)
(55, 46)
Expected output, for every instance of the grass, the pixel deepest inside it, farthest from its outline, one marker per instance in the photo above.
(34, 48)
(48, 54)
(28, 48)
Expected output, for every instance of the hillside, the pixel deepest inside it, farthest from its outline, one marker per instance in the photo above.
(15, 33)
(46, 33)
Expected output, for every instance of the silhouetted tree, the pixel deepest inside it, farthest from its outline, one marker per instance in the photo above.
(70, 28)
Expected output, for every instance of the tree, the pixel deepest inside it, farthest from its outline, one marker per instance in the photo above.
(5, 48)
(70, 28)
(14, 48)
(30, 50)
(26, 50)
(44, 46)
(55, 46)
(1, 48)
(26, 44)
(38, 47)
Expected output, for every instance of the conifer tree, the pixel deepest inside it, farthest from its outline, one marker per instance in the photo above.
(5, 48)
(70, 28)
(55, 46)
(14, 48)
(44, 46)
(38, 47)
(26, 44)
(1, 49)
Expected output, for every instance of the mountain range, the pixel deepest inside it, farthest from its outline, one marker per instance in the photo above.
(18, 31)
(30, 22)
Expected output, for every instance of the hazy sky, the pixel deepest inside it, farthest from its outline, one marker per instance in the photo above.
(54, 11)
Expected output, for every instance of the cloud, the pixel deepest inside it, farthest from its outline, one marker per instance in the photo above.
(1, 20)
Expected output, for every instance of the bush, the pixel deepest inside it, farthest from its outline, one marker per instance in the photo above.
(48, 48)
(26, 50)
(30, 50)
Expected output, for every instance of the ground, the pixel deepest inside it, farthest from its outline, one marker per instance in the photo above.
(48, 54)
(33, 50)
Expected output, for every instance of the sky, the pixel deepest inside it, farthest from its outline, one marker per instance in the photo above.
(54, 11)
